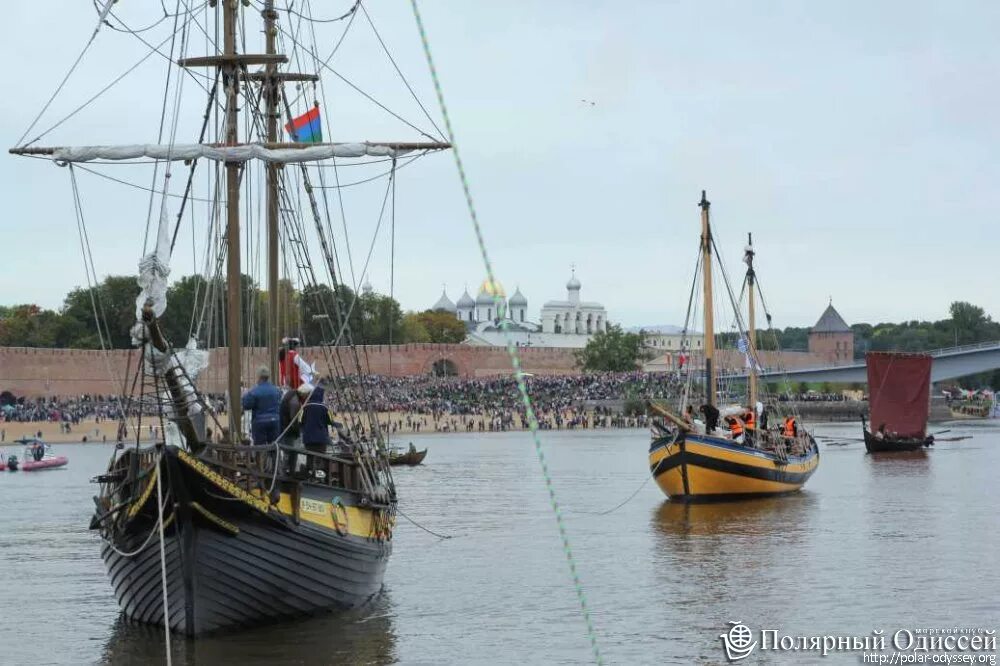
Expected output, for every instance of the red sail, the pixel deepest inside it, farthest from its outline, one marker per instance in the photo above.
(899, 386)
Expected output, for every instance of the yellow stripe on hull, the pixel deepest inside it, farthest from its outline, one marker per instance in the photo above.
(359, 520)
(721, 470)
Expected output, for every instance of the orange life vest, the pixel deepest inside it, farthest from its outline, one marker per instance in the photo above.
(750, 419)
(735, 427)
(789, 427)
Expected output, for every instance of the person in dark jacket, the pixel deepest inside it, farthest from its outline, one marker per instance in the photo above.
(711, 414)
(263, 400)
(316, 421)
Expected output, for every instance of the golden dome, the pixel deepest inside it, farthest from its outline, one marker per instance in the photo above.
(493, 288)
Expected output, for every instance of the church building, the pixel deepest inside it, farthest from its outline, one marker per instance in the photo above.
(564, 323)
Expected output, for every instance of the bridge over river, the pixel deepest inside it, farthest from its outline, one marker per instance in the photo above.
(949, 363)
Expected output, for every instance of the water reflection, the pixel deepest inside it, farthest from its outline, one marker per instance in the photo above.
(705, 551)
(364, 636)
(745, 518)
(898, 464)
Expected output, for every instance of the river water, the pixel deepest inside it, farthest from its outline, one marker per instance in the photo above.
(871, 543)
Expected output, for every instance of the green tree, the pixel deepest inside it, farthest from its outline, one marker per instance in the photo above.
(414, 329)
(969, 322)
(381, 320)
(442, 327)
(614, 350)
(114, 302)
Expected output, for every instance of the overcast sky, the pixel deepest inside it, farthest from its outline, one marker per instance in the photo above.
(858, 141)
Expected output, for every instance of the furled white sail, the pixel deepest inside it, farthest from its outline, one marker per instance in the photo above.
(241, 153)
(154, 269)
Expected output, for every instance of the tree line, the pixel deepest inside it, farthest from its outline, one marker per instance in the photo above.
(196, 307)
(966, 324)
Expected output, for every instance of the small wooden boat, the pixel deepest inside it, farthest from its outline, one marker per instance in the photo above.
(899, 389)
(411, 458)
(876, 444)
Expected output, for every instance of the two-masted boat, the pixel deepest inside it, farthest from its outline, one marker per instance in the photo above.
(703, 459)
(899, 390)
(202, 531)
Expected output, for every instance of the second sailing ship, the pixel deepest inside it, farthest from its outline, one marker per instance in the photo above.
(729, 451)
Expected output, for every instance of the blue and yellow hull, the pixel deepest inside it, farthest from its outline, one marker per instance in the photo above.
(696, 467)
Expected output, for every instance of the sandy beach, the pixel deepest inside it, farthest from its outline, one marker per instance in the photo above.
(395, 423)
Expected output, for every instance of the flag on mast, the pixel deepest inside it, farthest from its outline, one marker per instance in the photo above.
(307, 128)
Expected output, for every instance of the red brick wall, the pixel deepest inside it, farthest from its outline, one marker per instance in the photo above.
(36, 372)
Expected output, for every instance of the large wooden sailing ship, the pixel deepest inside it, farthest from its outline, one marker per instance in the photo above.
(695, 459)
(203, 531)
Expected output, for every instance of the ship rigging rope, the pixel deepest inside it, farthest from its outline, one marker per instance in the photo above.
(154, 50)
(425, 529)
(76, 63)
(324, 65)
(163, 119)
(363, 394)
(621, 504)
(163, 553)
(97, 304)
(684, 333)
(348, 14)
(399, 71)
(149, 538)
(511, 349)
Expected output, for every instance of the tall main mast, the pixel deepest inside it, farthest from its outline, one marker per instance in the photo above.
(751, 322)
(230, 67)
(271, 88)
(706, 262)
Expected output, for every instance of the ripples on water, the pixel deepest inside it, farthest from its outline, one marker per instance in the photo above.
(873, 542)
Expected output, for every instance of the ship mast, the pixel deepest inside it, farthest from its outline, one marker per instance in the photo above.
(230, 67)
(751, 322)
(271, 88)
(706, 262)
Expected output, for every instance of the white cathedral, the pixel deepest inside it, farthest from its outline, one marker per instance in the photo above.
(564, 323)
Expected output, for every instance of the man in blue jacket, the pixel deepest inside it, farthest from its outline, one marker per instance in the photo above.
(316, 422)
(263, 399)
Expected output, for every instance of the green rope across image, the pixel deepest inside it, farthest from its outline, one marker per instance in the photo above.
(511, 348)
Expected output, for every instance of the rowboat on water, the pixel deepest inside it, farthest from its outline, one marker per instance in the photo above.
(411, 457)
(694, 460)
(899, 387)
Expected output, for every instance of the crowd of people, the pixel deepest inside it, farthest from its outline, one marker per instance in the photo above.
(424, 403)
(465, 396)
(62, 409)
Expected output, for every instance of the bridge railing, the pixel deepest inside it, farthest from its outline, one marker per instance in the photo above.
(965, 348)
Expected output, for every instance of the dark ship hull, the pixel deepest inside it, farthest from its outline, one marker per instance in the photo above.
(886, 445)
(234, 560)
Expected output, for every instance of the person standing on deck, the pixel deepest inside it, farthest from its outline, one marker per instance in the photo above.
(750, 425)
(263, 400)
(316, 420)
